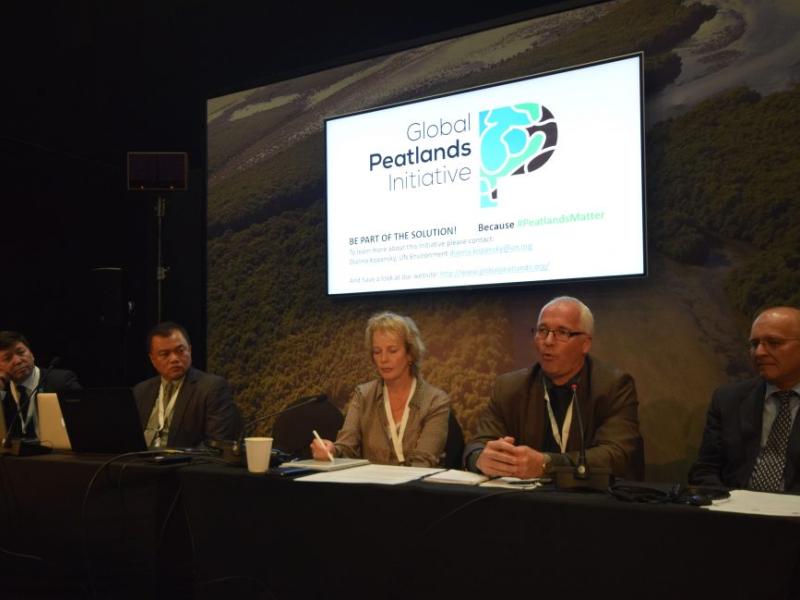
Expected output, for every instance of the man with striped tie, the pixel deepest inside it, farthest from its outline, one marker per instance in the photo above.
(752, 434)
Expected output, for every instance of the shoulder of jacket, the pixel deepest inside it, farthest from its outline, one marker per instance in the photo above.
(739, 390)
(518, 377)
(147, 382)
(369, 389)
(604, 374)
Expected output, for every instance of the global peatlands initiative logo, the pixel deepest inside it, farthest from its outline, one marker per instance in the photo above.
(515, 140)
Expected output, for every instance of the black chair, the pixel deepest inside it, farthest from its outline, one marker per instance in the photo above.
(637, 468)
(454, 447)
(292, 431)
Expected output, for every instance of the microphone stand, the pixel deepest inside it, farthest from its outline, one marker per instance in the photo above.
(233, 452)
(579, 476)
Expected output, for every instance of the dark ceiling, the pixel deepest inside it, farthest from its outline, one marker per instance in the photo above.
(72, 64)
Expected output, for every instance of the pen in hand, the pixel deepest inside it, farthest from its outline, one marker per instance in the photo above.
(319, 439)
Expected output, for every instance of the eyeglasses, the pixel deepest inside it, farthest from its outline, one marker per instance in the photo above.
(561, 334)
(770, 343)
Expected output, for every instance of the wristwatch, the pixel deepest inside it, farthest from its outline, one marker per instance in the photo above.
(546, 460)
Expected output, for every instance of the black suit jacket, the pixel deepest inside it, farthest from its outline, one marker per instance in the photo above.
(732, 438)
(57, 380)
(204, 409)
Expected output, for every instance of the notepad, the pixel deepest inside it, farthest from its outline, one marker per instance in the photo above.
(458, 477)
(326, 465)
(375, 474)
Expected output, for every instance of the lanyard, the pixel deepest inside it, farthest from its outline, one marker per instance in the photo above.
(25, 420)
(563, 437)
(397, 437)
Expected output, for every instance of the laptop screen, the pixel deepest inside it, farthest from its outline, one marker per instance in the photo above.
(102, 420)
(52, 430)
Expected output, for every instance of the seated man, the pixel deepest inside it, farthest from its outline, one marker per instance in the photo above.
(183, 406)
(528, 425)
(752, 436)
(21, 380)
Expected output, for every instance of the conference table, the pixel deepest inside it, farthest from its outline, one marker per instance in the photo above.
(80, 527)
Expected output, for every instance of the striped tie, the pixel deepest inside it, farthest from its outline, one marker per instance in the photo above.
(768, 472)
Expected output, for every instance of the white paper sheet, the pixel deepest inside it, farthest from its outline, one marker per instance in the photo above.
(759, 503)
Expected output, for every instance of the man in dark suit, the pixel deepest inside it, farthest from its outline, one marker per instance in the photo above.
(21, 380)
(752, 434)
(183, 406)
(528, 425)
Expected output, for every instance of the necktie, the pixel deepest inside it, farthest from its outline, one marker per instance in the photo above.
(169, 388)
(166, 396)
(768, 472)
(22, 394)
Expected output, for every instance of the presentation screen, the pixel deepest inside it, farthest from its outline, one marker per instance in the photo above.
(531, 180)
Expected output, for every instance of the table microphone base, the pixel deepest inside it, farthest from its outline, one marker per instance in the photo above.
(597, 479)
(25, 448)
(228, 450)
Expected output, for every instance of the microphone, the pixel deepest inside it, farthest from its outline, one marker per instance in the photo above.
(304, 401)
(7, 440)
(579, 477)
(234, 453)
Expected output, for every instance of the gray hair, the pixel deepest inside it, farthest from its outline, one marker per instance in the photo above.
(403, 327)
(586, 316)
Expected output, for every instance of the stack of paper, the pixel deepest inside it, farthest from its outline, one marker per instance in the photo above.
(515, 483)
(456, 476)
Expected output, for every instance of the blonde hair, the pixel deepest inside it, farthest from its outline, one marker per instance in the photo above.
(403, 327)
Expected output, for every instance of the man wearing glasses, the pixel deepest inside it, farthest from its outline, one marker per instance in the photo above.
(530, 423)
(752, 436)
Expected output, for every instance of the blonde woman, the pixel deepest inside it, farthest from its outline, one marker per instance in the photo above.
(398, 418)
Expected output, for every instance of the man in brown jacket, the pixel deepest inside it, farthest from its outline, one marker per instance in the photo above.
(530, 425)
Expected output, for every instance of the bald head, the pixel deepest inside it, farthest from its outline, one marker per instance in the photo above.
(790, 314)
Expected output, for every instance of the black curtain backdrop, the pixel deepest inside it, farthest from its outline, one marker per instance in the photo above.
(85, 82)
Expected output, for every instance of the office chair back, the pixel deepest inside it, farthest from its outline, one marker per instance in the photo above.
(454, 447)
(292, 431)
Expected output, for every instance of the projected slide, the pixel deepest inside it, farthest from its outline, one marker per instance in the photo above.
(537, 179)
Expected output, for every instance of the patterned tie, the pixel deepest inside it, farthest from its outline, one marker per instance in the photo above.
(768, 473)
(22, 394)
(169, 389)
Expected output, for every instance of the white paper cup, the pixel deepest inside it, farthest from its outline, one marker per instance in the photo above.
(258, 453)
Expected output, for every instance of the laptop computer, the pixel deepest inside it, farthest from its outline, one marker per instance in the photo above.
(2, 424)
(52, 430)
(102, 420)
